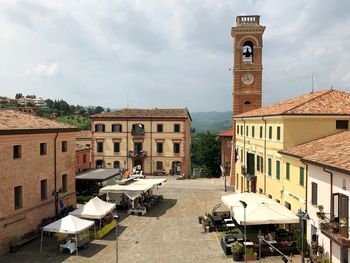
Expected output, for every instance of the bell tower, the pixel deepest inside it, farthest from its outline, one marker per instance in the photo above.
(247, 70)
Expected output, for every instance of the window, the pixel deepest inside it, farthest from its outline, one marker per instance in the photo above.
(247, 52)
(159, 166)
(278, 164)
(159, 147)
(342, 124)
(43, 189)
(176, 147)
(237, 129)
(100, 147)
(261, 132)
(269, 166)
(246, 130)
(84, 158)
(242, 130)
(176, 127)
(18, 197)
(288, 205)
(301, 176)
(241, 155)
(288, 171)
(314, 193)
(269, 196)
(278, 133)
(116, 147)
(159, 127)
(138, 129)
(270, 132)
(258, 163)
(64, 146)
(117, 127)
(261, 164)
(42, 148)
(253, 131)
(64, 183)
(99, 128)
(17, 151)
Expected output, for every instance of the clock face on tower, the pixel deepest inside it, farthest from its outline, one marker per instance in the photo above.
(247, 78)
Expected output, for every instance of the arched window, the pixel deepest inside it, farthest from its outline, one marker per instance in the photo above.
(247, 102)
(99, 164)
(247, 52)
(159, 165)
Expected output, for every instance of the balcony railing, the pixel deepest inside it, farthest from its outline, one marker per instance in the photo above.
(248, 20)
(137, 132)
(336, 237)
(139, 154)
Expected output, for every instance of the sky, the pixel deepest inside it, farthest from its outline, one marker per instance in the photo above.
(167, 53)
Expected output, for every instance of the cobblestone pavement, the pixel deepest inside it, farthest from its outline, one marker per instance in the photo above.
(169, 233)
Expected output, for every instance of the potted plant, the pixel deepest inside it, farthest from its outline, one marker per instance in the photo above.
(321, 214)
(200, 219)
(250, 254)
(13, 243)
(237, 250)
(206, 223)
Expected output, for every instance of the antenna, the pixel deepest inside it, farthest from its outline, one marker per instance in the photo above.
(313, 77)
(127, 101)
(331, 80)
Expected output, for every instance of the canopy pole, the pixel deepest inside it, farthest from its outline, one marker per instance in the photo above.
(41, 240)
(76, 242)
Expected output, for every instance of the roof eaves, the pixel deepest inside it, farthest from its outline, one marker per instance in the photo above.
(337, 169)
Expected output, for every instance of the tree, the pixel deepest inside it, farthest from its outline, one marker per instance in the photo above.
(18, 96)
(98, 110)
(206, 152)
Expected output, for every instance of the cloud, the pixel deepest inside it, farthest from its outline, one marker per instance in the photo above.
(172, 53)
(42, 70)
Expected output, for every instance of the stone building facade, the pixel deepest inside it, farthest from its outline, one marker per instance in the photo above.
(37, 160)
(158, 141)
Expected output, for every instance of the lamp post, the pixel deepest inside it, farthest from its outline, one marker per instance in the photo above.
(116, 217)
(304, 216)
(222, 168)
(244, 204)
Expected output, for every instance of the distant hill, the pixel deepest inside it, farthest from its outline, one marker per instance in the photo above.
(211, 121)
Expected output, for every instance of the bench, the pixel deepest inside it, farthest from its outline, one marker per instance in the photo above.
(27, 237)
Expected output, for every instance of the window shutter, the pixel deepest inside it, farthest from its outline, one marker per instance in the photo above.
(314, 193)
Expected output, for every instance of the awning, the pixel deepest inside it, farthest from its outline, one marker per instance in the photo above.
(94, 209)
(69, 225)
(260, 210)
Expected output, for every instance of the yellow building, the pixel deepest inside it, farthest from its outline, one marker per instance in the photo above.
(156, 140)
(263, 133)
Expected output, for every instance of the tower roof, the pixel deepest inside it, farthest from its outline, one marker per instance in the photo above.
(324, 102)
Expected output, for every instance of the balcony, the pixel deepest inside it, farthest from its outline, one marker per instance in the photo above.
(248, 20)
(336, 237)
(137, 154)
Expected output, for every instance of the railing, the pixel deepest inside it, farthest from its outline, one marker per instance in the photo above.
(137, 132)
(140, 154)
(336, 237)
(248, 20)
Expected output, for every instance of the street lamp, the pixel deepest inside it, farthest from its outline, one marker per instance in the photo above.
(116, 217)
(304, 216)
(222, 168)
(244, 204)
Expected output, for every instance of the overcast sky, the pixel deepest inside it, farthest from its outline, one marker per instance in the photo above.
(166, 53)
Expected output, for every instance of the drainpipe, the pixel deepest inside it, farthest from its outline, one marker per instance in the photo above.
(332, 209)
(55, 173)
(264, 155)
(244, 152)
(151, 143)
(127, 144)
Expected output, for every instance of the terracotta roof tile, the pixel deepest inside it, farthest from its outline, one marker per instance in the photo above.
(226, 133)
(16, 120)
(145, 113)
(332, 151)
(324, 102)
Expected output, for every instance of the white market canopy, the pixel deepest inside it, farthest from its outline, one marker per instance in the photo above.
(260, 210)
(94, 209)
(134, 189)
(69, 225)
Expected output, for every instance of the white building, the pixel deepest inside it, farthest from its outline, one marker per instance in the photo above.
(328, 165)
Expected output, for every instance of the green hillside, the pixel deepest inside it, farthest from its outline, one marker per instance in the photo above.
(211, 121)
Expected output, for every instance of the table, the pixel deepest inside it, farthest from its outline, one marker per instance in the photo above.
(228, 220)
